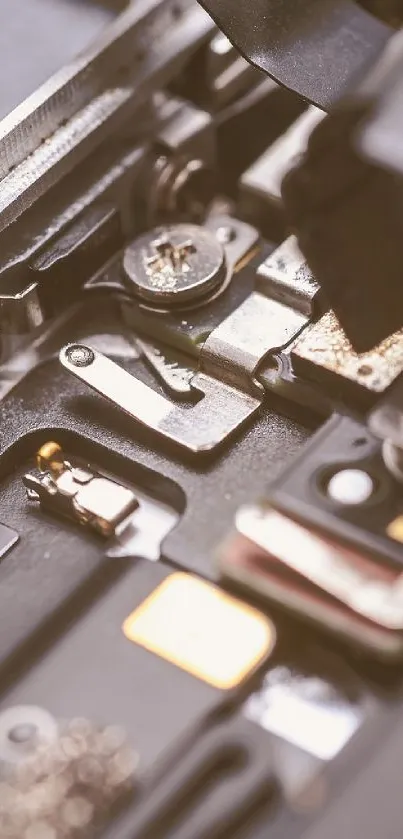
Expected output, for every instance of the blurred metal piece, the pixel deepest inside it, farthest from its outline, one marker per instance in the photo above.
(374, 591)
(260, 186)
(386, 419)
(200, 428)
(69, 785)
(306, 710)
(182, 188)
(312, 575)
(50, 457)
(227, 74)
(182, 182)
(386, 422)
(350, 486)
(393, 460)
(23, 729)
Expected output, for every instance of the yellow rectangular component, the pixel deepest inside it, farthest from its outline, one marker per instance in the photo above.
(203, 630)
(395, 529)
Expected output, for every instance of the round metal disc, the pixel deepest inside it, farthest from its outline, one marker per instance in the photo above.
(350, 486)
(170, 266)
(318, 48)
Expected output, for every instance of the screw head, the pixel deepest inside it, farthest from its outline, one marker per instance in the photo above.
(175, 265)
(79, 355)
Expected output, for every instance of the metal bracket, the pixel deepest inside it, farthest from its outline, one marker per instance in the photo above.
(257, 328)
(201, 428)
(267, 321)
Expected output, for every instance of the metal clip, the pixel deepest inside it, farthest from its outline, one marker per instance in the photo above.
(201, 428)
(79, 494)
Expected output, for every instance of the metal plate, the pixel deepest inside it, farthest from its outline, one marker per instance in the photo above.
(54, 558)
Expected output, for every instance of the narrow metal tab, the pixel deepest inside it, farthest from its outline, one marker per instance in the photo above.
(200, 428)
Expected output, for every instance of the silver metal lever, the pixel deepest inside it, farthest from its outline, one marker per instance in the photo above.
(200, 428)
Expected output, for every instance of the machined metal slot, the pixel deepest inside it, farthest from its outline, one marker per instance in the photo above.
(185, 804)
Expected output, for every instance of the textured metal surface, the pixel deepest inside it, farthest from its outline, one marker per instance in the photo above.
(105, 181)
(324, 354)
(315, 47)
(70, 89)
(79, 108)
(38, 38)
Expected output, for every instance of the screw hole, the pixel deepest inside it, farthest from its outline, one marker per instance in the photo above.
(365, 370)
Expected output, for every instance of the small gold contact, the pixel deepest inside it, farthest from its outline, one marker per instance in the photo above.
(50, 458)
(203, 630)
(395, 529)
